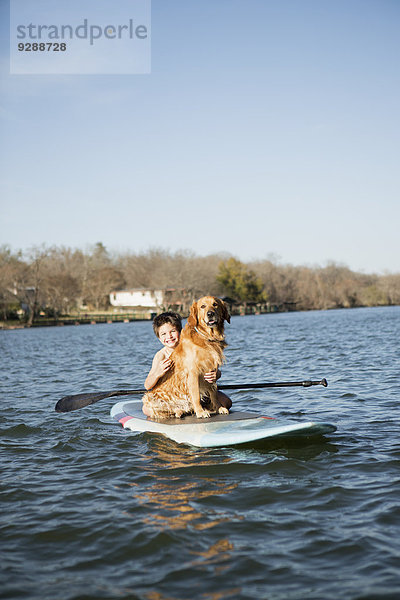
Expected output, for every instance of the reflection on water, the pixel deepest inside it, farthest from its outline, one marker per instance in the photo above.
(218, 553)
(177, 483)
(167, 454)
(171, 507)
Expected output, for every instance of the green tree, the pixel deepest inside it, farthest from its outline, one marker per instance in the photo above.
(240, 282)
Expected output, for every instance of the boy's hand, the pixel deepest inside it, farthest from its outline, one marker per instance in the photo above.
(211, 376)
(164, 366)
(161, 364)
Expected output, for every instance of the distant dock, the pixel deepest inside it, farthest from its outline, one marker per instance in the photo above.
(81, 319)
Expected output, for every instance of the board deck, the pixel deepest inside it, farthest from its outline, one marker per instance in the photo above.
(218, 430)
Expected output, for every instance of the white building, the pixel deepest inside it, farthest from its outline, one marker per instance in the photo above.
(137, 297)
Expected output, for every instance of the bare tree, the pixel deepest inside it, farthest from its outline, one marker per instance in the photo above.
(31, 290)
(61, 285)
(101, 278)
(11, 267)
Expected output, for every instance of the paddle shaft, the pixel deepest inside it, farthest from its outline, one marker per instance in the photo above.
(70, 403)
(249, 386)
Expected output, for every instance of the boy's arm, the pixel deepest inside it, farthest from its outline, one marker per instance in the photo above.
(160, 365)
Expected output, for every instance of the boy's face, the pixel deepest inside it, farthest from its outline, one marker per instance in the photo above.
(168, 335)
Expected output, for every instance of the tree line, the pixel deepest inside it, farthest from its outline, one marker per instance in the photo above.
(60, 280)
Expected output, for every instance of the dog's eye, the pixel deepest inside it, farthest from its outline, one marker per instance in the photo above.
(215, 304)
(203, 306)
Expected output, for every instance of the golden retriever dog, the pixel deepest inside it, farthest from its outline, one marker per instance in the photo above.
(200, 350)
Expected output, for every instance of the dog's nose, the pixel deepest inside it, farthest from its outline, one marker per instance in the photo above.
(210, 313)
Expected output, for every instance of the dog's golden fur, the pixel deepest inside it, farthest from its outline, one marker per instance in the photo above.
(200, 350)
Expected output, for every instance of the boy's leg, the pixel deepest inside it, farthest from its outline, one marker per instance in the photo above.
(224, 400)
(146, 411)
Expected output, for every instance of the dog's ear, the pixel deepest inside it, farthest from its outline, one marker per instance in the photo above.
(225, 312)
(192, 319)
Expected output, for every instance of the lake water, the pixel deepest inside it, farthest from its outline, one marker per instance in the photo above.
(89, 510)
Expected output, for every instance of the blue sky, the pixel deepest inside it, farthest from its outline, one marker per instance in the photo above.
(265, 128)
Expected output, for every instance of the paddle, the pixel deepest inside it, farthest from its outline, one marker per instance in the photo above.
(69, 403)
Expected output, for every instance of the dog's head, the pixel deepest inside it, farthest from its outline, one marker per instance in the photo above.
(209, 312)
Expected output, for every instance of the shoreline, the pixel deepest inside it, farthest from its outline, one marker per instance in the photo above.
(98, 319)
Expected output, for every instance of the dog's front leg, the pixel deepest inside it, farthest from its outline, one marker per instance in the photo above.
(194, 392)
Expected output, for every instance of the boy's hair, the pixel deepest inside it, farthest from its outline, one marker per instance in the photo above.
(167, 317)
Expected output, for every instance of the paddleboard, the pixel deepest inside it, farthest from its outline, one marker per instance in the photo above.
(218, 430)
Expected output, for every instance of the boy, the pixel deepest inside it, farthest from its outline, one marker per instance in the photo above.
(168, 326)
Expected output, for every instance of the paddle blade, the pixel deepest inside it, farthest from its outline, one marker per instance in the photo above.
(69, 403)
